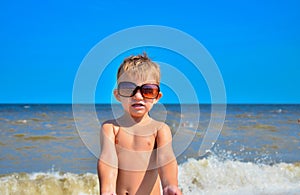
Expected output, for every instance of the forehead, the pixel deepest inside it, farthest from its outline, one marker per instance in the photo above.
(138, 80)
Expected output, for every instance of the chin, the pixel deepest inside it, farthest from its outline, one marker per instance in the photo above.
(138, 114)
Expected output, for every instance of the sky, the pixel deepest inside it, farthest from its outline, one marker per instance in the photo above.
(255, 45)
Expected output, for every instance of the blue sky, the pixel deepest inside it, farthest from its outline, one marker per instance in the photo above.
(256, 45)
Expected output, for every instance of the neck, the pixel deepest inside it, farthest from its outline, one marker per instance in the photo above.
(136, 120)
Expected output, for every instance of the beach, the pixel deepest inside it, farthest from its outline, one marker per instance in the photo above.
(257, 151)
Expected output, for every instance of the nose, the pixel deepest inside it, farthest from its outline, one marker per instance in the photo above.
(138, 94)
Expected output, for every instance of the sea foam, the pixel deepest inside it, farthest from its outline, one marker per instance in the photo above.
(212, 176)
(205, 176)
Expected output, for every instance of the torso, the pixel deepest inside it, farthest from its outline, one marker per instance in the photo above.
(136, 153)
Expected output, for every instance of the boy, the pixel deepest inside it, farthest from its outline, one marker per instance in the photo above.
(136, 151)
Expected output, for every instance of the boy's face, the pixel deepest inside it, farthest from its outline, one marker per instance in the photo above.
(138, 105)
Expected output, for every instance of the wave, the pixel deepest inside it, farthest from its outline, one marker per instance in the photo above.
(205, 176)
(58, 183)
(212, 176)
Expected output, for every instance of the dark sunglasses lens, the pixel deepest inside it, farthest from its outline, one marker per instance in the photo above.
(126, 89)
(150, 91)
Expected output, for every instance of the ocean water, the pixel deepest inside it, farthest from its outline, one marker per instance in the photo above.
(257, 151)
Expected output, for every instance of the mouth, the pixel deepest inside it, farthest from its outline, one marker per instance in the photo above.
(138, 105)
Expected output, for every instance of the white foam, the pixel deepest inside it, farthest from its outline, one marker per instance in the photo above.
(49, 183)
(205, 176)
(211, 176)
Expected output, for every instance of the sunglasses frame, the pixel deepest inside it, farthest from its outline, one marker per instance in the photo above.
(139, 88)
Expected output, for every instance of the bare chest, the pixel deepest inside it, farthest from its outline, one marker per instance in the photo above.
(136, 142)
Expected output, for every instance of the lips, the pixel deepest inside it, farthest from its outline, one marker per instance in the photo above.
(138, 105)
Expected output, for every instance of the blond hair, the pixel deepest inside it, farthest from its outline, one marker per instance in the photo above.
(139, 66)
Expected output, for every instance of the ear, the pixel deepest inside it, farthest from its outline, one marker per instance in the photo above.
(116, 94)
(158, 97)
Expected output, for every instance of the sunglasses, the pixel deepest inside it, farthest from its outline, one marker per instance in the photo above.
(129, 89)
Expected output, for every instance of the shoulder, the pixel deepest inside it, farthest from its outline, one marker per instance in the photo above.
(163, 130)
(110, 122)
(110, 127)
(161, 126)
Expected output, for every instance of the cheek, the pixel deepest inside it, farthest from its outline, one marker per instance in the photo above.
(125, 102)
(150, 103)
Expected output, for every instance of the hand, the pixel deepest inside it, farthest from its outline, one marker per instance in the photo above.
(171, 190)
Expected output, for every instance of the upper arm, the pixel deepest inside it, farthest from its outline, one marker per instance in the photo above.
(164, 145)
(164, 135)
(108, 161)
(107, 142)
(168, 169)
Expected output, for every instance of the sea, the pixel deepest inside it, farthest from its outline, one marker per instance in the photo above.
(49, 149)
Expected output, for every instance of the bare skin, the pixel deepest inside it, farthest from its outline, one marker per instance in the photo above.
(137, 156)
